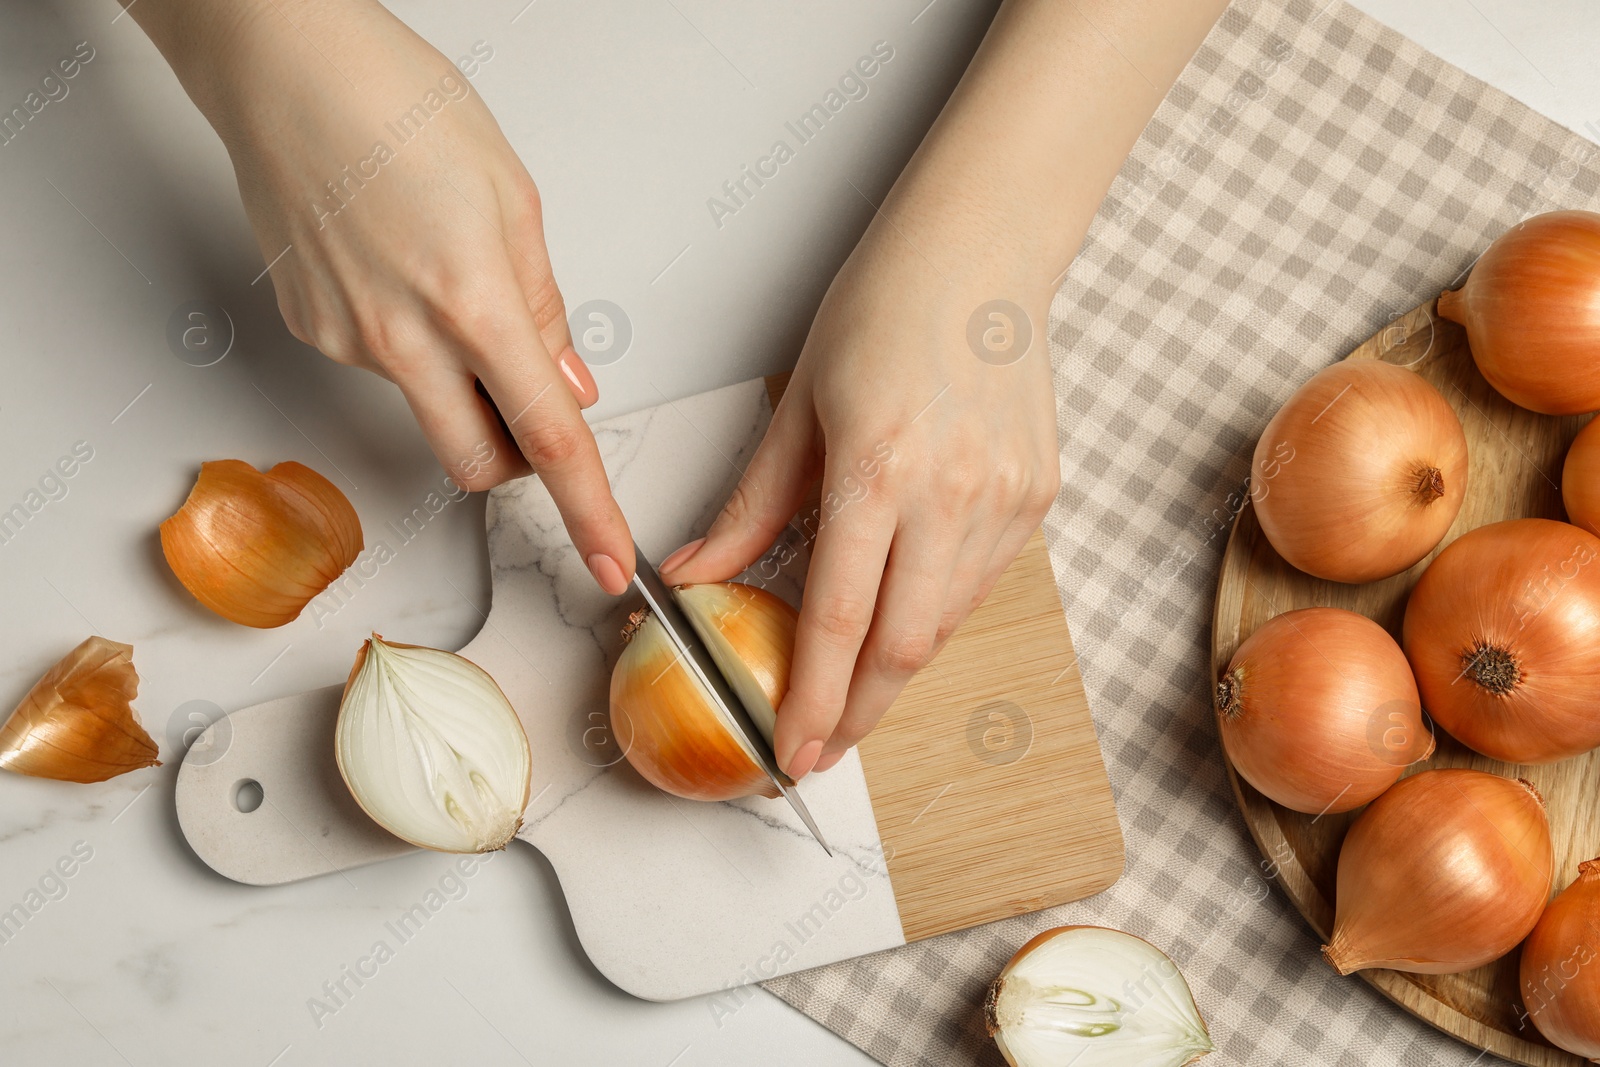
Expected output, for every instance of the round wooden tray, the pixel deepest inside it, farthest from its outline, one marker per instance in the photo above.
(1515, 471)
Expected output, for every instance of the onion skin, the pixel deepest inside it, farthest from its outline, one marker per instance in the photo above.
(77, 723)
(1445, 872)
(1318, 710)
(1501, 631)
(664, 722)
(1561, 967)
(1360, 473)
(1532, 311)
(1580, 479)
(256, 548)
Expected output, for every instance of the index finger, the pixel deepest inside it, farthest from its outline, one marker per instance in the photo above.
(542, 414)
(835, 614)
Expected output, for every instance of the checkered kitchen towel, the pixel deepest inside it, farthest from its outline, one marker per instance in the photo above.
(1312, 175)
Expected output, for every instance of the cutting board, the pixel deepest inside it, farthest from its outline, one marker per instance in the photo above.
(980, 796)
(1514, 471)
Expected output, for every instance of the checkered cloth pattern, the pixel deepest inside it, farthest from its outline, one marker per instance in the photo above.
(1311, 176)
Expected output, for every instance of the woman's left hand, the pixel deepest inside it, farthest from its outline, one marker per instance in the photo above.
(926, 409)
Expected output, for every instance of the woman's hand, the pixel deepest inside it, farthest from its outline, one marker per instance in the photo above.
(992, 208)
(936, 465)
(404, 236)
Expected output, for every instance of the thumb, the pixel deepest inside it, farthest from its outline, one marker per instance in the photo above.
(770, 491)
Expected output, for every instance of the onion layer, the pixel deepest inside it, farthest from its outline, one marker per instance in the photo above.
(1532, 312)
(1502, 631)
(1360, 473)
(1561, 967)
(256, 548)
(1319, 711)
(1445, 872)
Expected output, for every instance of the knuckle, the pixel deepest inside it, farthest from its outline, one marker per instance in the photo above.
(550, 444)
(906, 653)
(1041, 495)
(545, 301)
(948, 623)
(840, 619)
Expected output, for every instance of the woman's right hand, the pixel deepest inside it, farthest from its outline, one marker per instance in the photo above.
(404, 236)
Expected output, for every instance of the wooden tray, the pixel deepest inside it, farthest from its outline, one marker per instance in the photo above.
(1515, 471)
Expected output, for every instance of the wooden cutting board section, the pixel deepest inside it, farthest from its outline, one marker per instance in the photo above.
(1515, 459)
(995, 737)
(983, 785)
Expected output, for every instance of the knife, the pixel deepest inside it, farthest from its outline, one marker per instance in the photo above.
(697, 658)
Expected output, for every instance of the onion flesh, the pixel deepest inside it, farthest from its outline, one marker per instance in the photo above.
(1501, 631)
(1532, 311)
(1445, 872)
(1318, 710)
(431, 749)
(1093, 997)
(1360, 473)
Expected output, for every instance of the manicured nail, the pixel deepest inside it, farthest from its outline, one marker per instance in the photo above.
(680, 557)
(576, 371)
(827, 762)
(804, 759)
(608, 572)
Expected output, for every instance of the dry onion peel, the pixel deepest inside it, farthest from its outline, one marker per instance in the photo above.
(1445, 872)
(664, 719)
(1532, 311)
(256, 548)
(1560, 969)
(77, 723)
(431, 749)
(1501, 630)
(1360, 473)
(1094, 997)
(1318, 710)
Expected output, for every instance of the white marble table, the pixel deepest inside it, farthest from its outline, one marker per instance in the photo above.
(119, 207)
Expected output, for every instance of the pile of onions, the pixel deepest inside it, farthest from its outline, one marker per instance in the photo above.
(1503, 632)
(1532, 312)
(1447, 871)
(664, 719)
(1360, 474)
(1561, 967)
(1580, 479)
(1318, 710)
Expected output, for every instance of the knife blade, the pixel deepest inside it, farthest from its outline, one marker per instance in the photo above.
(697, 659)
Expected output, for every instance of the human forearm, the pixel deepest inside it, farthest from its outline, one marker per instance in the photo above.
(1022, 155)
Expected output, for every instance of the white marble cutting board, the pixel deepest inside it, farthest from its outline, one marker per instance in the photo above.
(670, 898)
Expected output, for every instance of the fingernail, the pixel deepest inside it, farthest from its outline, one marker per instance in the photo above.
(576, 371)
(681, 556)
(608, 572)
(804, 759)
(827, 762)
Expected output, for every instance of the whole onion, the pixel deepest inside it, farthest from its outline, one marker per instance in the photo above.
(1580, 479)
(1503, 632)
(1360, 473)
(1532, 311)
(1318, 710)
(1445, 872)
(1561, 967)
